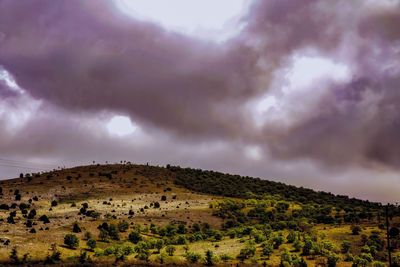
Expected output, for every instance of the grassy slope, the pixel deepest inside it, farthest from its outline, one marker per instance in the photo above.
(131, 188)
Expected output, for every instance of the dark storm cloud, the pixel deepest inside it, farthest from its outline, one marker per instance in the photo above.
(82, 58)
(68, 54)
(357, 121)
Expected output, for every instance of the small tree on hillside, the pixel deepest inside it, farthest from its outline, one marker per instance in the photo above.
(71, 240)
(76, 228)
(170, 250)
(92, 244)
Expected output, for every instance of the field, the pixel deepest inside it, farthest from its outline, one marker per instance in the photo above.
(149, 202)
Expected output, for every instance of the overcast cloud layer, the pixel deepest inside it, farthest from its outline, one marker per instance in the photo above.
(197, 103)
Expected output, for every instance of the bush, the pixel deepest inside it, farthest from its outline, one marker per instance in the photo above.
(332, 258)
(92, 244)
(134, 237)
(71, 240)
(123, 226)
(225, 258)
(192, 257)
(76, 228)
(247, 252)
(267, 248)
(44, 219)
(14, 256)
(170, 250)
(209, 258)
(346, 245)
(88, 235)
(355, 229)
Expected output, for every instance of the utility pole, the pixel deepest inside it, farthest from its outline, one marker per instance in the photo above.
(388, 235)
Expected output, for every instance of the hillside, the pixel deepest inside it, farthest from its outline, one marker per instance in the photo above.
(137, 214)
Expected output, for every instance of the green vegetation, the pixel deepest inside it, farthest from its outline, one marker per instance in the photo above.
(134, 214)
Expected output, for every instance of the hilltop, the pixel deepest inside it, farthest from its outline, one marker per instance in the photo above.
(136, 214)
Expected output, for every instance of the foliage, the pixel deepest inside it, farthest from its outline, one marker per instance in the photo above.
(92, 244)
(170, 250)
(192, 257)
(134, 237)
(71, 240)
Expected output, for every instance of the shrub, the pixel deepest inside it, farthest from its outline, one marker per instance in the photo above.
(44, 219)
(113, 232)
(123, 226)
(103, 235)
(170, 250)
(308, 245)
(88, 235)
(297, 245)
(4, 207)
(92, 244)
(346, 245)
(247, 252)
(291, 237)
(332, 258)
(14, 256)
(290, 259)
(76, 228)
(355, 229)
(209, 258)
(225, 257)
(267, 249)
(161, 258)
(192, 257)
(71, 240)
(134, 237)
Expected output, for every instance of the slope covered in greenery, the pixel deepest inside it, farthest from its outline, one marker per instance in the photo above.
(127, 214)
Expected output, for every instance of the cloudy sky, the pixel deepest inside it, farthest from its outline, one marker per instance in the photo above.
(305, 92)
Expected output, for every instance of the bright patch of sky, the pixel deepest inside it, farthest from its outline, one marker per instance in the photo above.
(215, 20)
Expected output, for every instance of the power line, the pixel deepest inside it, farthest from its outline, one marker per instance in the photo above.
(23, 167)
(27, 163)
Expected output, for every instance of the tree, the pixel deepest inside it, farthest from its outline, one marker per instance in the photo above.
(14, 256)
(297, 245)
(159, 244)
(225, 257)
(123, 226)
(332, 258)
(134, 237)
(71, 240)
(192, 257)
(103, 235)
(76, 228)
(44, 219)
(92, 244)
(170, 250)
(54, 203)
(355, 229)
(308, 245)
(346, 245)
(267, 248)
(209, 258)
(88, 235)
(113, 232)
(291, 237)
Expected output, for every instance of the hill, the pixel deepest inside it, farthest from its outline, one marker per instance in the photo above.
(140, 214)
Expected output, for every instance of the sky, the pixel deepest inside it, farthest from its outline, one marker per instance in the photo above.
(304, 92)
